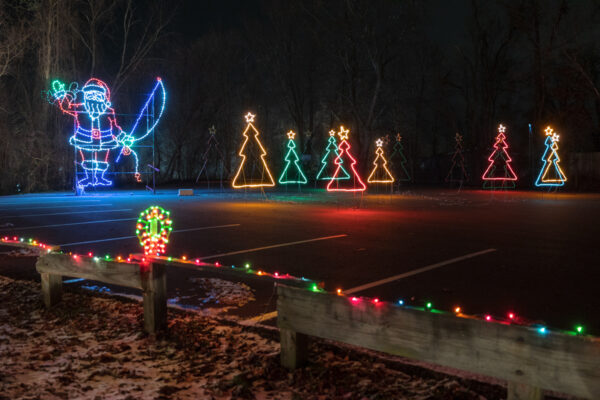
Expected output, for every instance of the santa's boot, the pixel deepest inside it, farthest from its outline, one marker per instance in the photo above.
(99, 174)
(88, 168)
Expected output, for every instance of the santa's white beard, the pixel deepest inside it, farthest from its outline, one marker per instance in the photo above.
(95, 109)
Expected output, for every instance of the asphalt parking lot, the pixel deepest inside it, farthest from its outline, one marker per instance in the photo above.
(531, 253)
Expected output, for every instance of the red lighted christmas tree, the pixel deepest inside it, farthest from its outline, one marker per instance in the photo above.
(354, 184)
(499, 172)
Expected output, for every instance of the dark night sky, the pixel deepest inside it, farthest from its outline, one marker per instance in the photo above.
(445, 25)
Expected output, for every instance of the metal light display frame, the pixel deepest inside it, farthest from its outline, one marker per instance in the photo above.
(212, 146)
(458, 160)
(397, 161)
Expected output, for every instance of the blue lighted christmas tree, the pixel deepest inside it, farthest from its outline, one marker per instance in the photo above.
(551, 174)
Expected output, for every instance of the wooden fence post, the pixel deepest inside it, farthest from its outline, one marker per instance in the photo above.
(154, 286)
(294, 348)
(51, 289)
(520, 391)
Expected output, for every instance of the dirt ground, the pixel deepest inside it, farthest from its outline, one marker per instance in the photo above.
(92, 346)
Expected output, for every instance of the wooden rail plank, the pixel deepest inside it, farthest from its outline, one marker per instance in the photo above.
(553, 361)
(150, 278)
(116, 273)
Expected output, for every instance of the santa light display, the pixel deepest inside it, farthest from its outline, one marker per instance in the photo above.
(96, 131)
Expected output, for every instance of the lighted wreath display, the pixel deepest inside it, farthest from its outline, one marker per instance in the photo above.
(153, 229)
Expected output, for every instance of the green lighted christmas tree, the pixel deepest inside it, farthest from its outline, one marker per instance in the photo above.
(292, 173)
(328, 166)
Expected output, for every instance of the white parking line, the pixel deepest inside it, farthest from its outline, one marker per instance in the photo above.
(36, 201)
(67, 213)
(273, 246)
(416, 271)
(71, 206)
(267, 316)
(131, 237)
(102, 221)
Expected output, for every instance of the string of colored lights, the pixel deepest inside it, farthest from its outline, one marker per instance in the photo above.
(298, 176)
(500, 152)
(262, 183)
(511, 316)
(327, 171)
(336, 185)
(551, 158)
(380, 172)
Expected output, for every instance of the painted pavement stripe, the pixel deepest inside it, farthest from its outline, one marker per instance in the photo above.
(417, 271)
(68, 213)
(132, 237)
(102, 221)
(273, 314)
(272, 246)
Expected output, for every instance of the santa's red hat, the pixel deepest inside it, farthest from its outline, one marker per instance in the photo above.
(96, 85)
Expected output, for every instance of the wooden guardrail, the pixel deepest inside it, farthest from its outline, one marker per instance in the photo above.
(147, 273)
(527, 359)
(146, 276)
